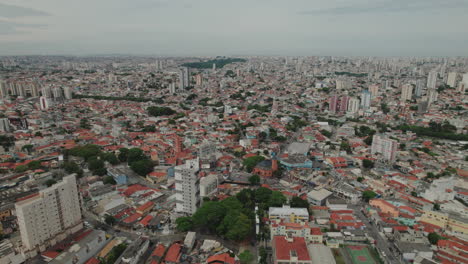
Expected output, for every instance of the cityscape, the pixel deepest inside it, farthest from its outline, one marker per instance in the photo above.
(233, 160)
(233, 132)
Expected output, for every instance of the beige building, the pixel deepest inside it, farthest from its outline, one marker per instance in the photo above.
(49, 216)
(406, 92)
(452, 223)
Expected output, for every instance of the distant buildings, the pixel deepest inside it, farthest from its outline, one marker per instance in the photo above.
(385, 147)
(187, 187)
(184, 78)
(50, 215)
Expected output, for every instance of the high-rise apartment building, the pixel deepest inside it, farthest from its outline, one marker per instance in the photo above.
(365, 99)
(187, 186)
(419, 88)
(452, 79)
(49, 216)
(338, 104)
(463, 84)
(406, 92)
(67, 93)
(199, 80)
(374, 90)
(184, 78)
(44, 102)
(432, 79)
(382, 145)
(353, 105)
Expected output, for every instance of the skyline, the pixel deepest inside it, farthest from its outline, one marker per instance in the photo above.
(209, 28)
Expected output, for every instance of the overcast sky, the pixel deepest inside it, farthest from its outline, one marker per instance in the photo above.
(235, 27)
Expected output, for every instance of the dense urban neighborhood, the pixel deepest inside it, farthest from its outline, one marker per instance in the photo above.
(233, 160)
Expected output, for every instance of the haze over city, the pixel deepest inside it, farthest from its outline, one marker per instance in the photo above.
(241, 27)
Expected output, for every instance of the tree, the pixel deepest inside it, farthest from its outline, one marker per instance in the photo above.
(277, 199)
(135, 154)
(250, 162)
(360, 179)
(241, 228)
(109, 180)
(160, 111)
(34, 165)
(436, 207)
(149, 128)
(84, 124)
(95, 164)
(110, 157)
(72, 167)
(368, 140)
(50, 182)
(298, 202)
(367, 195)
(368, 164)
(21, 168)
(434, 238)
(123, 154)
(142, 167)
(209, 215)
(110, 220)
(262, 195)
(184, 224)
(28, 148)
(246, 257)
(254, 179)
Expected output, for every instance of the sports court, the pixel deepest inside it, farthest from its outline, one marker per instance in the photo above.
(360, 255)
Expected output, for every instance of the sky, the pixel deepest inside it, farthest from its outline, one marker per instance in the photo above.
(234, 27)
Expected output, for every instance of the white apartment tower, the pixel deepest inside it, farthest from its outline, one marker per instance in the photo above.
(384, 146)
(452, 79)
(49, 216)
(432, 79)
(353, 105)
(406, 92)
(187, 187)
(365, 99)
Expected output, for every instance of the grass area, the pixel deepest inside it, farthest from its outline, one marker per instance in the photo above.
(338, 257)
(360, 255)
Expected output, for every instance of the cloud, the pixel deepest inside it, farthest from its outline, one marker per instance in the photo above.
(390, 6)
(8, 28)
(11, 11)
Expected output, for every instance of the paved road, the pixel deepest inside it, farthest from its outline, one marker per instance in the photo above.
(381, 243)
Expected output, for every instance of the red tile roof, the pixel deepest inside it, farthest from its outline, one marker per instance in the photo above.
(173, 254)
(221, 258)
(283, 248)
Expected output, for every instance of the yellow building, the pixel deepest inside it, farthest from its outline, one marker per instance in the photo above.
(452, 223)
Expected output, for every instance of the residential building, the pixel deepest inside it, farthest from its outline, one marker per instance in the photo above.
(406, 92)
(47, 217)
(288, 249)
(353, 105)
(318, 196)
(432, 80)
(187, 187)
(287, 214)
(365, 99)
(384, 147)
(452, 79)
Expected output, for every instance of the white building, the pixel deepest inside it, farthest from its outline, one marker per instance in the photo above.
(365, 99)
(452, 79)
(187, 187)
(432, 79)
(287, 214)
(353, 105)
(50, 215)
(208, 185)
(384, 146)
(406, 92)
(438, 191)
